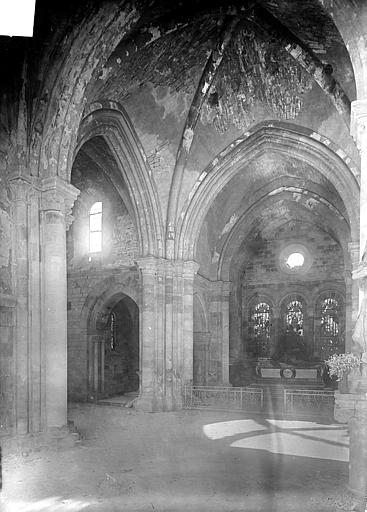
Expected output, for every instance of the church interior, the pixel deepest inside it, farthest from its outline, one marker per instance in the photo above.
(183, 228)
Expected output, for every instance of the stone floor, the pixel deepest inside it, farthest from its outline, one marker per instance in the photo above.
(196, 461)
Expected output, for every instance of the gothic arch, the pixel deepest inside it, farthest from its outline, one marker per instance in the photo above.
(106, 294)
(279, 138)
(110, 121)
(94, 322)
(58, 112)
(354, 34)
(245, 223)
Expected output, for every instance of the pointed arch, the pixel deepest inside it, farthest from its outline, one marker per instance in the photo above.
(61, 98)
(111, 122)
(283, 138)
(249, 217)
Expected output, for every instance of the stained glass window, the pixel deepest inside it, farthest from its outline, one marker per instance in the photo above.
(293, 316)
(331, 339)
(260, 322)
(113, 331)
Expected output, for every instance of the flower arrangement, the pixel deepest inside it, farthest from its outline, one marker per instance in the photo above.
(339, 364)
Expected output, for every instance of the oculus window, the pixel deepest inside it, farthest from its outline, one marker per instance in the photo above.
(295, 259)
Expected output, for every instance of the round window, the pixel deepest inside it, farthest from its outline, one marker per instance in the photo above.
(295, 258)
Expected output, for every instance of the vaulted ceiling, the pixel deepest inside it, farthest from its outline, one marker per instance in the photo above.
(265, 44)
(193, 75)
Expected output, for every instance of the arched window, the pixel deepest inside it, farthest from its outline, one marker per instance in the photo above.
(95, 228)
(291, 346)
(331, 324)
(293, 316)
(260, 323)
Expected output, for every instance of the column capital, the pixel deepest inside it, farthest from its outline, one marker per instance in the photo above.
(58, 195)
(20, 187)
(190, 268)
(358, 124)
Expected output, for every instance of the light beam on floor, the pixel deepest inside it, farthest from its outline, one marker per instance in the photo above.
(284, 437)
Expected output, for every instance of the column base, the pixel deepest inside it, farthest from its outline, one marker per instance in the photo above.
(145, 402)
(53, 439)
(148, 401)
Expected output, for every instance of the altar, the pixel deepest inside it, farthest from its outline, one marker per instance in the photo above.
(290, 373)
(268, 369)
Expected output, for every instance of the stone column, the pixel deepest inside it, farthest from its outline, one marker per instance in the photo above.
(173, 377)
(190, 269)
(57, 199)
(166, 332)
(352, 296)
(358, 423)
(237, 334)
(20, 188)
(151, 334)
(359, 132)
(201, 342)
(219, 328)
(358, 451)
(358, 128)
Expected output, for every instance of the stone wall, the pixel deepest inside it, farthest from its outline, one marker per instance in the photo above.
(326, 254)
(89, 294)
(119, 236)
(97, 281)
(265, 279)
(211, 331)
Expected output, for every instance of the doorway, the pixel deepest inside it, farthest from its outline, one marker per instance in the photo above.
(116, 349)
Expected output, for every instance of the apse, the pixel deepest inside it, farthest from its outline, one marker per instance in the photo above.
(275, 236)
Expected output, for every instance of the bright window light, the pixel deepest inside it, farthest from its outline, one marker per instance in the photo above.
(294, 260)
(95, 228)
(17, 17)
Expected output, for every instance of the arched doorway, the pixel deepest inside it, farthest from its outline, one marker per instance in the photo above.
(115, 348)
